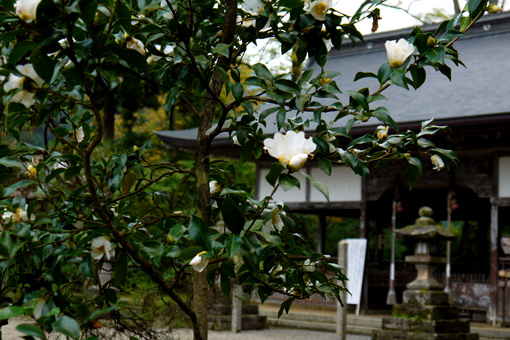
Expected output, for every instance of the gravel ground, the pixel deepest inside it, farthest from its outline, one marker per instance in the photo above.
(9, 333)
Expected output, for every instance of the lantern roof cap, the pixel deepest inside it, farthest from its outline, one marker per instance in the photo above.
(425, 227)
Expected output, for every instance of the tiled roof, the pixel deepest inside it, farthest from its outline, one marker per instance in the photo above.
(482, 89)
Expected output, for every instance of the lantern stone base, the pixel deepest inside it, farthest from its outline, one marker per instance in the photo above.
(424, 315)
(220, 317)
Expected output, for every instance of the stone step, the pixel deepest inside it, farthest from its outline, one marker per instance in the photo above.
(318, 326)
(325, 317)
(356, 324)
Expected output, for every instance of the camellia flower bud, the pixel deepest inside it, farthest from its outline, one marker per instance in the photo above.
(319, 8)
(214, 187)
(437, 161)
(431, 42)
(382, 132)
(398, 52)
(26, 9)
(198, 262)
(493, 8)
(135, 44)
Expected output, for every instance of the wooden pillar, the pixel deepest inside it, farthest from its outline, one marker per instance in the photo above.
(341, 312)
(321, 234)
(494, 263)
(363, 233)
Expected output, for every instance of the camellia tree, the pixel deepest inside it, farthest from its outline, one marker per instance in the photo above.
(67, 206)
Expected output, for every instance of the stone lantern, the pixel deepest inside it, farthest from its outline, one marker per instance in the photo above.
(427, 234)
(425, 312)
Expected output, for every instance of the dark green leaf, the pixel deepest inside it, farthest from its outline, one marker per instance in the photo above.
(21, 184)
(413, 170)
(361, 75)
(325, 165)
(10, 312)
(120, 268)
(419, 75)
(281, 118)
(31, 330)
(288, 182)
(267, 112)
(233, 245)
(88, 13)
(383, 115)
(285, 306)
(274, 172)
(133, 58)
(384, 73)
(360, 99)
(398, 77)
(86, 267)
(82, 48)
(199, 232)
(128, 180)
(322, 145)
(43, 66)
(221, 49)
(350, 160)
(67, 326)
(238, 91)
(287, 86)
(436, 54)
(425, 143)
(225, 284)
(19, 50)
(301, 101)
(317, 185)
(263, 72)
(234, 219)
(255, 81)
(99, 312)
(11, 162)
(72, 172)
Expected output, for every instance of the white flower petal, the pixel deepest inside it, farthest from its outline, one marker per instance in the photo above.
(398, 52)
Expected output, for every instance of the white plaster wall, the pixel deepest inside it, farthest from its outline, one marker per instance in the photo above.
(343, 184)
(294, 195)
(504, 177)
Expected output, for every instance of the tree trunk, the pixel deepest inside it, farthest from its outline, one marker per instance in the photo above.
(202, 164)
(109, 116)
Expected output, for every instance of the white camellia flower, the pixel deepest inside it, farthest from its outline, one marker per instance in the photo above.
(382, 131)
(437, 161)
(309, 266)
(31, 171)
(398, 52)
(214, 187)
(254, 7)
(135, 44)
(26, 9)
(79, 134)
(292, 148)
(198, 262)
(26, 95)
(37, 159)
(101, 246)
(319, 8)
(168, 15)
(328, 43)
(7, 216)
(275, 222)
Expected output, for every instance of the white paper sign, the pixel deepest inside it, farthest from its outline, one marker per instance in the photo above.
(355, 266)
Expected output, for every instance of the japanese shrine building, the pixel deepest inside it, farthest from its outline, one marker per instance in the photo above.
(476, 105)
